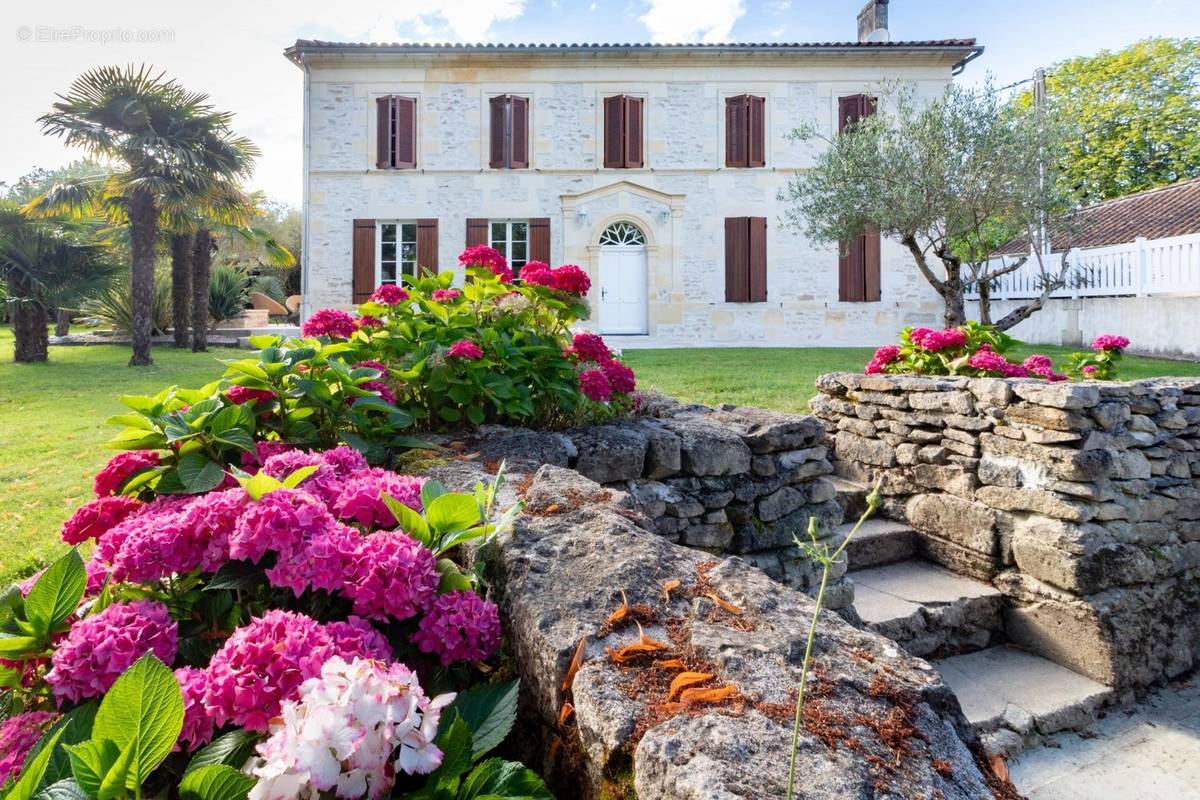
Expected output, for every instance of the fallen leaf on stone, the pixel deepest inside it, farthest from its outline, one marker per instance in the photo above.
(552, 508)
(684, 680)
(671, 663)
(576, 663)
(620, 613)
(999, 766)
(725, 604)
(565, 713)
(693, 696)
(668, 587)
(641, 647)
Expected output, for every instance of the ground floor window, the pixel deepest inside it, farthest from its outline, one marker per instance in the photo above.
(397, 251)
(511, 238)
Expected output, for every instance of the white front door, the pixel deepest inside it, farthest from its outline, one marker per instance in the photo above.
(623, 289)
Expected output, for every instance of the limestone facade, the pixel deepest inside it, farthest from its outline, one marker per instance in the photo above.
(679, 198)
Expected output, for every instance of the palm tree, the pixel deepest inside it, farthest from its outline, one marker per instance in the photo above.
(47, 264)
(168, 142)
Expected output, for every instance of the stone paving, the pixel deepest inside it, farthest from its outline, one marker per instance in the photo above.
(1149, 752)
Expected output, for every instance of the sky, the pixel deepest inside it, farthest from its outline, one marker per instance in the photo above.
(232, 49)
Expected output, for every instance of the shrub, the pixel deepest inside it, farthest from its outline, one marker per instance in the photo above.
(113, 305)
(1101, 364)
(270, 285)
(228, 291)
(971, 349)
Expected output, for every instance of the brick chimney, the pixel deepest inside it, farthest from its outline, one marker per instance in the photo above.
(872, 22)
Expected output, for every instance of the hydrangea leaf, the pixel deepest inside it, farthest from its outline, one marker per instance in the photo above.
(199, 473)
(455, 742)
(75, 726)
(408, 520)
(57, 593)
(65, 789)
(490, 709)
(142, 713)
(31, 775)
(215, 782)
(497, 779)
(231, 749)
(452, 512)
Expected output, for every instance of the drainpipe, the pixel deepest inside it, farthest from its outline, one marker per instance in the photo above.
(306, 227)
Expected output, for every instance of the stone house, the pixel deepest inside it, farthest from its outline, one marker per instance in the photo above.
(657, 168)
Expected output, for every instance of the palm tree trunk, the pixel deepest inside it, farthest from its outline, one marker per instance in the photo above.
(181, 286)
(62, 322)
(28, 322)
(201, 265)
(143, 229)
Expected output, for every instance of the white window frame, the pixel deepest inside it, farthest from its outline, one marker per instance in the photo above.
(399, 225)
(506, 250)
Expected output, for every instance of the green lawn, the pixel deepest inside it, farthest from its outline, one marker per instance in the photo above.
(52, 415)
(52, 433)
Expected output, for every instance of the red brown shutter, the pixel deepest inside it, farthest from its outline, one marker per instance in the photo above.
(498, 149)
(737, 255)
(735, 131)
(519, 135)
(383, 132)
(539, 239)
(477, 232)
(755, 133)
(405, 156)
(633, 133)
(858, 263)
(614, 130)
(363, 260)
(871, 273)
(757, 233)
(427, 246)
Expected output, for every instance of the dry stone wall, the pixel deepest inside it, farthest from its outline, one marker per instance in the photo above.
(1081, 502)
(728, 480)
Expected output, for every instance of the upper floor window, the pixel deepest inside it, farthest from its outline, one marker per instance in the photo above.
(397, 251)
(745, 144)
(511, 238)
(395, 132)
(509, 142)
(623, 132)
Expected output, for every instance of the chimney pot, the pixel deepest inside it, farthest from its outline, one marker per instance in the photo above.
(873, 22)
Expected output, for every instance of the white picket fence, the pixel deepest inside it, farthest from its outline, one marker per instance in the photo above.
(1138, 268)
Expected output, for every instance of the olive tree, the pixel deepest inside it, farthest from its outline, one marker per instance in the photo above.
(952, 179)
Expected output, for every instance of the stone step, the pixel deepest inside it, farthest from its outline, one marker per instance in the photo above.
(928, 610)
(851, 496)
(878, 542)
(1013, 697)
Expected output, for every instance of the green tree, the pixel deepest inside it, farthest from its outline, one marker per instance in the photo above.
(46, 265)
(950, 179)
(1138, 111)
(167, 142)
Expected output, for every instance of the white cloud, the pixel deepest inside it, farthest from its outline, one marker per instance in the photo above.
(690, 21)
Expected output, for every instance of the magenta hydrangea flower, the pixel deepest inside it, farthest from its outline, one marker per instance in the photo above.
(392, 576)
(98, 649)
(280, 522)
(325, 484)
(595, 385)
(357, 635)
(244, 394)
(1089, 370)
(936, 341)
(481, 255)
(590, 347)
(198, 726)
(620, 377)
(1110, 341)
(460, 626)
(464, 349)
(537, 273)
(368, 323)
(445, 295)
(263, 664)
(345, 460)
(987, 359)
(330, 322)
(94, 518)
(139, 524)
(121, 468)
(389, 294)
(264, 450)
(1039, 364)
(380, 388)
(319, 561)
(571, 279)
(1011, 370)
(373, 364)
(18, 735)
(361, 499)
(885, 355)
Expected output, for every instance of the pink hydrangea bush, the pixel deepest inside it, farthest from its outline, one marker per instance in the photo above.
(121, 468)
(1103, 363)
(972, 350)
(460, 626)
(330, 322)
(18, 735)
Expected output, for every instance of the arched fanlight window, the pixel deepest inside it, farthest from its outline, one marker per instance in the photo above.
(623, 234)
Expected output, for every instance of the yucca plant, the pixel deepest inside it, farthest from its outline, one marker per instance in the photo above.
(228, 288)
(113, 306)
(270, 285)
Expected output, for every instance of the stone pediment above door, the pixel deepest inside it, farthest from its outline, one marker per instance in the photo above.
(603, 200)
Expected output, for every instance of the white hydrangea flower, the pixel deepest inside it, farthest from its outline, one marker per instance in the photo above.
(342, 731)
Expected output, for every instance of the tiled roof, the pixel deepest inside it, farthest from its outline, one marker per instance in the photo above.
(317, 44)
(1155, 214)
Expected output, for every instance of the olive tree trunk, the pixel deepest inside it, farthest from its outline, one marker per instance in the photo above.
(202, 247)
(143, 230)
(28, 321)
(181, 286)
